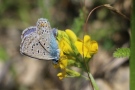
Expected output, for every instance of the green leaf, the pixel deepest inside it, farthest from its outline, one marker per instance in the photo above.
(3, 54)
(132, 48)
(122, 52)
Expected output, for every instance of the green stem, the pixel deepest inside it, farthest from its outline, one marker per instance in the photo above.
(95, 86)
(132, 48)
(88, 71)
(93, 82)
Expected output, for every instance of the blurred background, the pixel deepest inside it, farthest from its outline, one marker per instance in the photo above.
(110, 30)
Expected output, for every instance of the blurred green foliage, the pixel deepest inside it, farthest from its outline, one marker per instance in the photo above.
(23, 11)
(78, 23)
(122, 52)
(3, 54)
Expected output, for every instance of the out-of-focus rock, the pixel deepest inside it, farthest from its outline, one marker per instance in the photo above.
(103, 85)
(120, 80)
(30, 70)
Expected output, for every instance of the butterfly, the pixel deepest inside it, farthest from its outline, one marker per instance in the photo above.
(39, 42)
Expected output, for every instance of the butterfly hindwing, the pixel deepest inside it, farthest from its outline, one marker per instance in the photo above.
(31, 46)
(47, 38)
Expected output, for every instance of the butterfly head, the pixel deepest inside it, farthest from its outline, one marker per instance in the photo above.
(43, 23)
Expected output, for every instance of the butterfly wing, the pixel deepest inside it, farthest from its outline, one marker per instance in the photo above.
(47, 38)
(31, 46)
(28, 31)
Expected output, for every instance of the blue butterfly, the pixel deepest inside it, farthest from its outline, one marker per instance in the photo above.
(39, 41)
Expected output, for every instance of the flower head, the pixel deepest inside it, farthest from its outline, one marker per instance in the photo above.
(71, 48)
(71, 35)
(61, 75)
(86, 47)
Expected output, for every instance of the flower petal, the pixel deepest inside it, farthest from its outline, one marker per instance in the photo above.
(94, 47)
(87, 39)
(61, 75)
(71, 35)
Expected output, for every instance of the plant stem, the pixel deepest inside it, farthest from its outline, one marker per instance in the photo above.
(88, 71)
(132, 48)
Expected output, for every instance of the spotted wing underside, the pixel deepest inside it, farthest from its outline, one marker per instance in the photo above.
(32, 47)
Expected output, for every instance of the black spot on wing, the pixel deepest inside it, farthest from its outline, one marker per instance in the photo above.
(44, 53)
(36, 43)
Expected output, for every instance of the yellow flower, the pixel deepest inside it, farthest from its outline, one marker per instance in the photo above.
(66, 41)
(71, 35)
(82, 49)
(91, 45)
(65, 46)
(62, 36)
(62, 62)
(68, 73)
(73, 39)
(62, 75)
(87, 47)
(70, 47)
